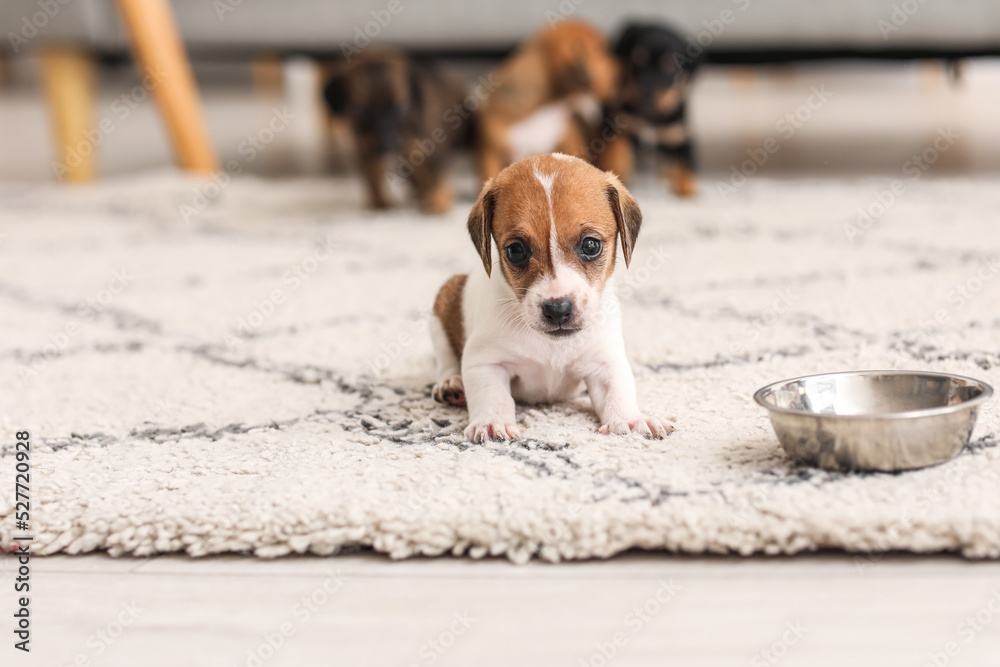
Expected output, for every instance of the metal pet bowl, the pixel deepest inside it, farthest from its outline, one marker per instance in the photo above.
(874, 420)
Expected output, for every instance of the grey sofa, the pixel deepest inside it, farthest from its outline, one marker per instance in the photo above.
(234, 25)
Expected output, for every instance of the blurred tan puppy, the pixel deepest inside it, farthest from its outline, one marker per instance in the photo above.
(550, 91)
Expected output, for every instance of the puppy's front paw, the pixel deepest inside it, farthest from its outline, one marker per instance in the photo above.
(483, 431)
(648, 427)
(450, 391)
(439, 200)
(682, 181)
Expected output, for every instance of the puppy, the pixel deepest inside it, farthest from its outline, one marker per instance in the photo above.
(656, 76)
(549, 92)
(543, 319)
(396, 107)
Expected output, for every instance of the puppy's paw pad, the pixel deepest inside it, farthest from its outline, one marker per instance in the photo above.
(483, 431)
(648, 427)
(450, 391)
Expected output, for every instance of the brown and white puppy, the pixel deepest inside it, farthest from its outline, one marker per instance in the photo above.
(542, 319)
(550, 92)
(396, 107)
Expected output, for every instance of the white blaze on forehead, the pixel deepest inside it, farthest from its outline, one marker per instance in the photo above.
(563, 281)
(546, 180)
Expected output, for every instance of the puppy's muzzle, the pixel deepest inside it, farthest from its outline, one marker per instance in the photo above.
(557, 311)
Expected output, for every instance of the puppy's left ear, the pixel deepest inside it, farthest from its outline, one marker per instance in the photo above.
(628, 217)
(481, 226)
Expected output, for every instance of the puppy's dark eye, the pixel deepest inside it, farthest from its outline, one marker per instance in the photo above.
(517, 253)
(589, 248)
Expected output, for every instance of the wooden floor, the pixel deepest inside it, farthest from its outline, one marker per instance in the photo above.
(637, 609)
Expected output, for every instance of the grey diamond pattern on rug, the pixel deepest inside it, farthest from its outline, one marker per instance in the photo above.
(255, 376)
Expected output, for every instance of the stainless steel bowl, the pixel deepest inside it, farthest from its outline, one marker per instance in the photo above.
(874, 420)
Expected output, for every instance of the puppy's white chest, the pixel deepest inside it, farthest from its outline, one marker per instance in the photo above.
(540, 132)
(536, 381)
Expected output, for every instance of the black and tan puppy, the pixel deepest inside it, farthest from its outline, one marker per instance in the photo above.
(397, 109)
(656, 75)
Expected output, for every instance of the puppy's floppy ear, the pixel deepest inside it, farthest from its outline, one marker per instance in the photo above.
(336, 95)
(481, 226)
(628, 217)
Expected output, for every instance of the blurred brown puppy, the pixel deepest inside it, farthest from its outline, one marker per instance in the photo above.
(550, 92)
(397, 109)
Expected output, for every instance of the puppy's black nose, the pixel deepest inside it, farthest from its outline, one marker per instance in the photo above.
(557, 311)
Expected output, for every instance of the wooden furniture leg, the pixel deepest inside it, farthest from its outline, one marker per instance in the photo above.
(68, 79)
(160, 52)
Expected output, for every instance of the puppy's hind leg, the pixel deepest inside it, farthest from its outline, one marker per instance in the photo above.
(448, 337)
(575, 139)
(431, 183)
(449, 388)
(491, 151)
(618, 156)
(374, 171)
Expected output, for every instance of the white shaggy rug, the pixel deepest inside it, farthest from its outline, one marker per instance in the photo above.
(252, 374)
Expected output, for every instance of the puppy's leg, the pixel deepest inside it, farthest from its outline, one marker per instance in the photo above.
(448, 338)
(439, 197)
(374, 171)
(491, 162)
(618, 157)
(449, 388)
(490, 148)
(679, 172)
(574, 139)
(612, 390)
(432, 187)
(491, 407)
